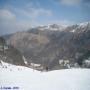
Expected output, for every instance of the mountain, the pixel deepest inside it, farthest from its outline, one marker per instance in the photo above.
(54, 46)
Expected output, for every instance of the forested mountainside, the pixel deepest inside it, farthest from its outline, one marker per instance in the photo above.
(54, 46)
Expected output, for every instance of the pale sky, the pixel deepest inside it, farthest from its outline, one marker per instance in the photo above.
(19, 15)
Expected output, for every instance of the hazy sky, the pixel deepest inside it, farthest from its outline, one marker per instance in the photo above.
(17, 15)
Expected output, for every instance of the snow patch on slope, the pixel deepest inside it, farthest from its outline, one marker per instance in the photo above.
(73, 30)
(27, 79)
(25, 61)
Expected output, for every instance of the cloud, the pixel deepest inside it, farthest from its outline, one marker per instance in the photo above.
(74, 2)
(9, 23)
(33, 12)
(6, 14)
(86, 3)
(11, 27)
(61, 22)
(13, 19)
(70, 2)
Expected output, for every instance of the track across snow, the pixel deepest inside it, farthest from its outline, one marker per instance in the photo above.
(26, 79)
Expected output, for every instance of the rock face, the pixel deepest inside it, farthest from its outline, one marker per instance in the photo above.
(47, 46)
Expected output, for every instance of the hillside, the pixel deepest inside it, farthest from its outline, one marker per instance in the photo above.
(10, 54)
(24, 78)
(50, 45)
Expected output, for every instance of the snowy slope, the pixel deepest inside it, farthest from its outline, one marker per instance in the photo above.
(29, 79)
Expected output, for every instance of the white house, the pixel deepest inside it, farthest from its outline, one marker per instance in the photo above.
(61, 61)
(35, 65)
(64, 63)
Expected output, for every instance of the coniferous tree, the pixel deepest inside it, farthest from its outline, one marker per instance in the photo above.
(2, 43)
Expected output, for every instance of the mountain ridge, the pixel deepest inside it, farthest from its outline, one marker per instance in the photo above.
(49, 47)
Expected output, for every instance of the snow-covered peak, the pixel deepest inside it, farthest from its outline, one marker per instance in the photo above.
(57, 27)
(81, 27)
(53, 27)
(84, 24)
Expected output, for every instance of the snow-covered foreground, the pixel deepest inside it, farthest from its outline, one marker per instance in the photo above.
(27, 79)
